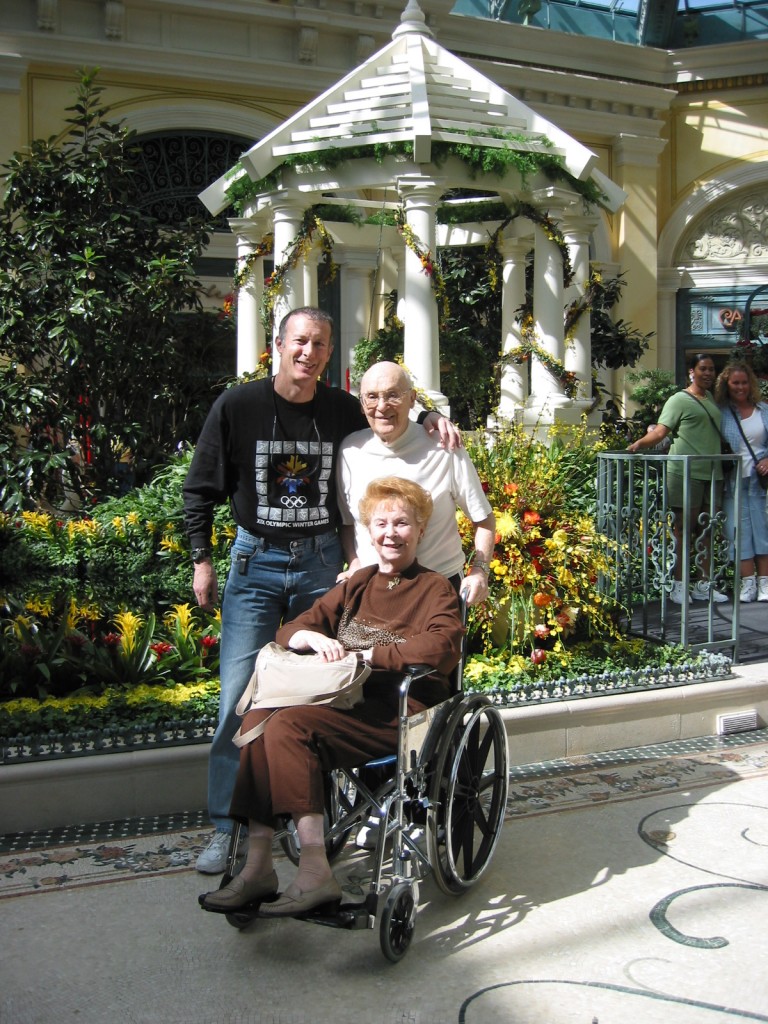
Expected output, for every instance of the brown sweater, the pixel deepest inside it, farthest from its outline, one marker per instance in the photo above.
(416, 622)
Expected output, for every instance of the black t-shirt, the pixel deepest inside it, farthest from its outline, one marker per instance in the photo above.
(273, 460)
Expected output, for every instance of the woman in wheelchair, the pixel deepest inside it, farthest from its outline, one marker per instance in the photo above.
(394, 614)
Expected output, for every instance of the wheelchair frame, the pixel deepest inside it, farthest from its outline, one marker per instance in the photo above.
(450, 779)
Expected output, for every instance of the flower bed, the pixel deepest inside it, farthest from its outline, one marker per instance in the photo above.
(158, 716)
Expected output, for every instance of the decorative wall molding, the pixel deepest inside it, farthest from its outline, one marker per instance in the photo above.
(735, 232)
(699, 202)
(47, 15)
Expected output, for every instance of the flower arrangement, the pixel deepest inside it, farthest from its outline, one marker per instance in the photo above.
(550, 564)
(101, 600)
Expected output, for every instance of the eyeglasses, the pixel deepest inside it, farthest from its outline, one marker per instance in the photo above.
(372, 398)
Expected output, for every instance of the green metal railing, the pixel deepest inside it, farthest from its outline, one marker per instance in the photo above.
(634, 513)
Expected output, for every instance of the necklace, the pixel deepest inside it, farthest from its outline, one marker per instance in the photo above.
(394, 582)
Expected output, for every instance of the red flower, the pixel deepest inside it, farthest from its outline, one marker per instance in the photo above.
(538, 657)
(160, 648)
(112, 639)
(209, 641)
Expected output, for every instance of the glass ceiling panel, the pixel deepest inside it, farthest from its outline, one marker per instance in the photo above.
(668, 24)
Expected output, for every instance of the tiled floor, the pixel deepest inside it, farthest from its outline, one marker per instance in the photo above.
(627, 888)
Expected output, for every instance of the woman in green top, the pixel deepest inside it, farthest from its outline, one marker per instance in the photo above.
(693, 418)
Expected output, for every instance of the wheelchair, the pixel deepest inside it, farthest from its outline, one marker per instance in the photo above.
(439, 803)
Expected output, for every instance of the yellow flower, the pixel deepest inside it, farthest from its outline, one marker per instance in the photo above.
(132, 518)
(128, 625)
(180, 618)
(119, 526)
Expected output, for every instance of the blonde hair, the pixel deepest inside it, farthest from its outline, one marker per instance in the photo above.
(392, 489)
(721, 393)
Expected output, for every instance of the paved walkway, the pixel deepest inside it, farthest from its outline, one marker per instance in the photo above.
(628, 888)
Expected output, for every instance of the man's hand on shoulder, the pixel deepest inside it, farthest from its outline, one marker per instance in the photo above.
(450, 435)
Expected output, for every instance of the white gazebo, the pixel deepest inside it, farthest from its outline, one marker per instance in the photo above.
(414, 91)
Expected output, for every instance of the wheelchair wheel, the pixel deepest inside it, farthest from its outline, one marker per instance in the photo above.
(340, 798)
(398, 921)
(468, 795)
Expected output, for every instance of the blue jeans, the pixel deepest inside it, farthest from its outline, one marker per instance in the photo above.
(267, 584)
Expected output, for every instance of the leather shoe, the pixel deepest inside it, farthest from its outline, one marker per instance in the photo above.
(293, 902)
(239, 893)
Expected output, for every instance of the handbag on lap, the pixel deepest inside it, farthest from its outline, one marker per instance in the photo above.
(286, 679)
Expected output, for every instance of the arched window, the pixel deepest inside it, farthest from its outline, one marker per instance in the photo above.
(173, 167)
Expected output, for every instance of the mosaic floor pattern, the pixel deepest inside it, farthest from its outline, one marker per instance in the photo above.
(627, 888)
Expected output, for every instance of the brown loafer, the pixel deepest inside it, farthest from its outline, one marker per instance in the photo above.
(239, 893)
(293, 902)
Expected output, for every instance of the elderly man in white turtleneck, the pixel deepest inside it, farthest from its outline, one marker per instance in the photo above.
(397, 446)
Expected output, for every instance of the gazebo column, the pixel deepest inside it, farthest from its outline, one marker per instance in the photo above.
(578, 349)
(251, 339)
(357, 267)
(421, 347)
(309, 277)
(514, 376)
(546, 391)
(288, 210)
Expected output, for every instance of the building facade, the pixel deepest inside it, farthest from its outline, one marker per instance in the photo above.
(683, 132)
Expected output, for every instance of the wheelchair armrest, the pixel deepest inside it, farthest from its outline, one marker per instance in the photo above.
(418, 671)
(412, 673)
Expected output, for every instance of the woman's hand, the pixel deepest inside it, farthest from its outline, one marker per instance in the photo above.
(327, 647)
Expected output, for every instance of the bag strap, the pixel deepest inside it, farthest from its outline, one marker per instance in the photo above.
(743, 435)
(698, 401)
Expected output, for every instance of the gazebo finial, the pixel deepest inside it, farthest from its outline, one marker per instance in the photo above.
(412, 21)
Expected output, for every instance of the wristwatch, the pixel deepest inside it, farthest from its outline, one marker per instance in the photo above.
(200, 555)
(479, 563)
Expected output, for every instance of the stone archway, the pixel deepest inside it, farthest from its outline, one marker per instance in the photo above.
(716, 239)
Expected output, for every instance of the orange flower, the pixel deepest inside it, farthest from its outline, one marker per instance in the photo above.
(531, 518)
(541, 600)
(510, 488)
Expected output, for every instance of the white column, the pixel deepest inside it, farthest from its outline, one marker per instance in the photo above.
(419, 312)
(670, 281)
(356, 268)
(578, 351)
(288, 209)
(514, 376)
(546, 390)
(251, 340)
(309, 276)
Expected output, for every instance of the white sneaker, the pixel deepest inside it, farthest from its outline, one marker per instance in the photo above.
(749, 590)
(213, 859)
(762, 588)
(677, 595)
(700, 592)
(367, 837)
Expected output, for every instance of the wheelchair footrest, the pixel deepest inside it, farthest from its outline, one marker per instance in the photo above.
(350, 916)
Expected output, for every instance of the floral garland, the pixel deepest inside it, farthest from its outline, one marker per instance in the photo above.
(547, 225)
(245, 263)
(530, 346)
(297, 251)
(428, 264)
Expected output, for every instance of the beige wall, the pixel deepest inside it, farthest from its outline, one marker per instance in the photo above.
(665, 126)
